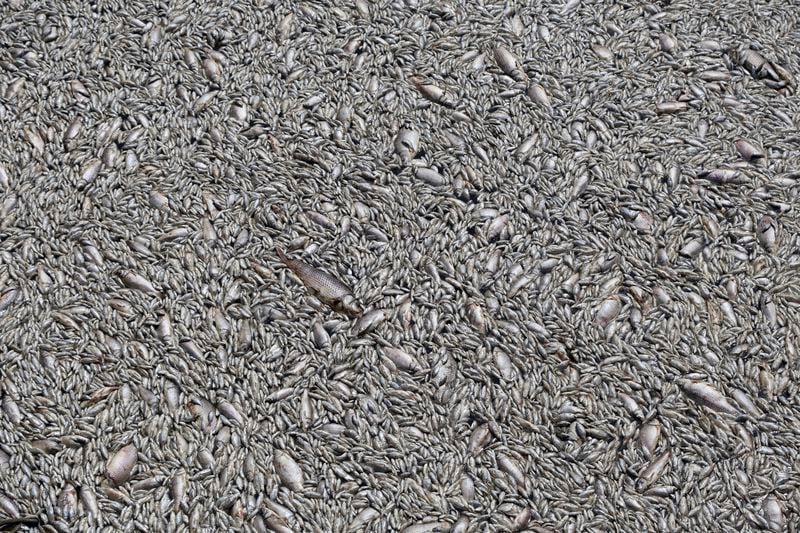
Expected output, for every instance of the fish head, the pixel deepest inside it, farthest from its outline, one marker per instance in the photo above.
(350, 306)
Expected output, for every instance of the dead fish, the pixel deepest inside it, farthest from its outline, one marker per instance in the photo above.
(120, 466)
(157, 200)
(135, 281)
(509, 64)
(404, 311)
(714, 75)
(692, 249)
(479, 438)
(89, 501)
(362, 518)
(768, 308)
(748, 150)
(8, 506)
(91, 170)
(68, 502)
(538, 94)
(496, 227)
(307, 411)
(631, 406)
(721, 175)
(8, 298)
(406, 144)
(401, 359)
(229, 412)
(670, 107)
(766, 232)
(430, 176)
(757, 65)
(13, 523)
(368, 321)
(510, 467)
(643, 222)
(432, 92)
(427, 527)
(34, 139)
(277, 525)
(288, 471)
(5, 182)
(667, 42)
(649, 434)
(651, 474)
(164, 329)
(522, 520)
(773, 513)
(323, 286)
(518, 283)
(603, 52)
(322, 340)
(178, 489)
(608, 311)
(705, 394)
(475, 315)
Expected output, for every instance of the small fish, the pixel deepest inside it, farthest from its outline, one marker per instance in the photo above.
(325, 287)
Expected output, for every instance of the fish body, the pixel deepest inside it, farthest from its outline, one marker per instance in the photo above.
(323, 286)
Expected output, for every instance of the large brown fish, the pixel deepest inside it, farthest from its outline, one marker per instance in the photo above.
(322, 285)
